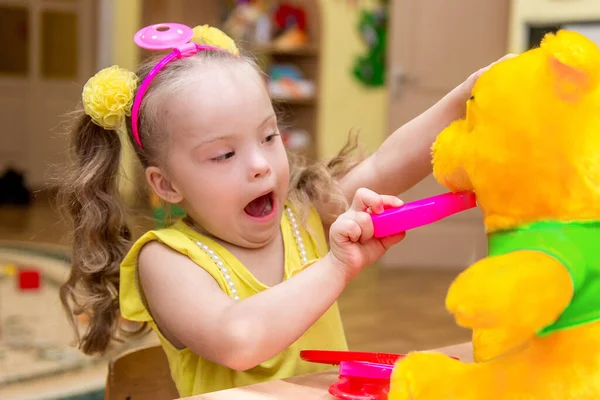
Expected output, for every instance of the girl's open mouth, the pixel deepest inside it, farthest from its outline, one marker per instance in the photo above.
(261, 206)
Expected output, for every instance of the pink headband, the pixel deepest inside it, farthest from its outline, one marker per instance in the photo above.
(162, 37)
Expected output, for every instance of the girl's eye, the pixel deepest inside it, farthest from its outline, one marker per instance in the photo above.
(271, 137)
(224, 157)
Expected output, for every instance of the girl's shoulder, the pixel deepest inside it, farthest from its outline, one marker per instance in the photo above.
(172, 238)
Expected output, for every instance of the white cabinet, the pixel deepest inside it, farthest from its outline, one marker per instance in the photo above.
(579, 15)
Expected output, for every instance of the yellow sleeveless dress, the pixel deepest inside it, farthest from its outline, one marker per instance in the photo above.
(191, 373)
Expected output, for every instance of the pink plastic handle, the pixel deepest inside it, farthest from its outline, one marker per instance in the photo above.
(362, 381)
(421, 212)
(366, 370)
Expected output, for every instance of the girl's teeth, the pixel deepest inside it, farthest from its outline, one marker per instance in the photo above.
(268, 207)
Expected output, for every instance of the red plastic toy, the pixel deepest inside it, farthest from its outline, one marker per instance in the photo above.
(363, 375)
(29, 279)
(332, 357)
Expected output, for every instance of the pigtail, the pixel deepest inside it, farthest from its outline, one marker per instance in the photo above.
(89, 191)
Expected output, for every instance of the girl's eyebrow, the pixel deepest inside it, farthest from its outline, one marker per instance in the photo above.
(269, 117)
(212, 139)
(216, 138)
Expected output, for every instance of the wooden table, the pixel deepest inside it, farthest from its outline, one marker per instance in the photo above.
(307, 387)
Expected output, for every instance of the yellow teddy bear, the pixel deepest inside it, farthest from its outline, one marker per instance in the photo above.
(529, 148)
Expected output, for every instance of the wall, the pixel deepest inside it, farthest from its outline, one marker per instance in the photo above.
(127, 16)
(345, 102)
(123, 20)
(53, 50)
(544, 12)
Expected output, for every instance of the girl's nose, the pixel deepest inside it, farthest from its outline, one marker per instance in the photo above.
(260, 167)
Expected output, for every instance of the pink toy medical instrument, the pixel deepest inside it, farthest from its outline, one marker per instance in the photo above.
(362, 381)
(421, 212)
(359, 379)
(362, 375)
(162, 37)
(336, 357)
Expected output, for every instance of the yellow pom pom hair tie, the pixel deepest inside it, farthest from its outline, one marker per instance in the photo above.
(210, 36)
(109, 95)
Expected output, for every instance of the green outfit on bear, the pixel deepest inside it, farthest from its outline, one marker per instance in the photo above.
(577, 246)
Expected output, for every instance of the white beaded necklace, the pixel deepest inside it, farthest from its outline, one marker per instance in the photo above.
(225, 272)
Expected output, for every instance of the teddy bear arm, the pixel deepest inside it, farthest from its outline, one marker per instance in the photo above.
(522, 291)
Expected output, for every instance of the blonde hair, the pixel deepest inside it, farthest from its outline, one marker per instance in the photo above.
(89, 191)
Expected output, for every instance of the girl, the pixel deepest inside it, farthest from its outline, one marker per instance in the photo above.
(245, 281)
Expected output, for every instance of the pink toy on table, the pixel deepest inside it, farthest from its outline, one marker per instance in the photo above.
(362, 381)
(362, 376)
(421, 212)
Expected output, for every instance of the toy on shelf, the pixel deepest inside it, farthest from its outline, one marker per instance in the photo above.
(529, 148)
(276, 24)
(287, 82)
(290, 26)
(248, 21)
(296, 139)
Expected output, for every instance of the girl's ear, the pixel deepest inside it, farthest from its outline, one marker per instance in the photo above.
(162, 186)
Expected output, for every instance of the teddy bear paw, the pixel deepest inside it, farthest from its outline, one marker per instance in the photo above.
(424, 376)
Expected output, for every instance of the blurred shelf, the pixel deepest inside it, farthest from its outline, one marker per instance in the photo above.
(301, 113)
(292, 101)
(305, 51)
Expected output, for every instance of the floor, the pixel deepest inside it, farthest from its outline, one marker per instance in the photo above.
(383, 309)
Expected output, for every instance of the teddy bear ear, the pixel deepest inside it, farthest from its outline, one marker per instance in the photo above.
(570, 83)
(574, 62)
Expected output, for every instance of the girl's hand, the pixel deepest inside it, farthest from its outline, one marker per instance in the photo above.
(353, 246)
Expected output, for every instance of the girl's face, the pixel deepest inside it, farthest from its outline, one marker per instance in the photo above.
(226, 164)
